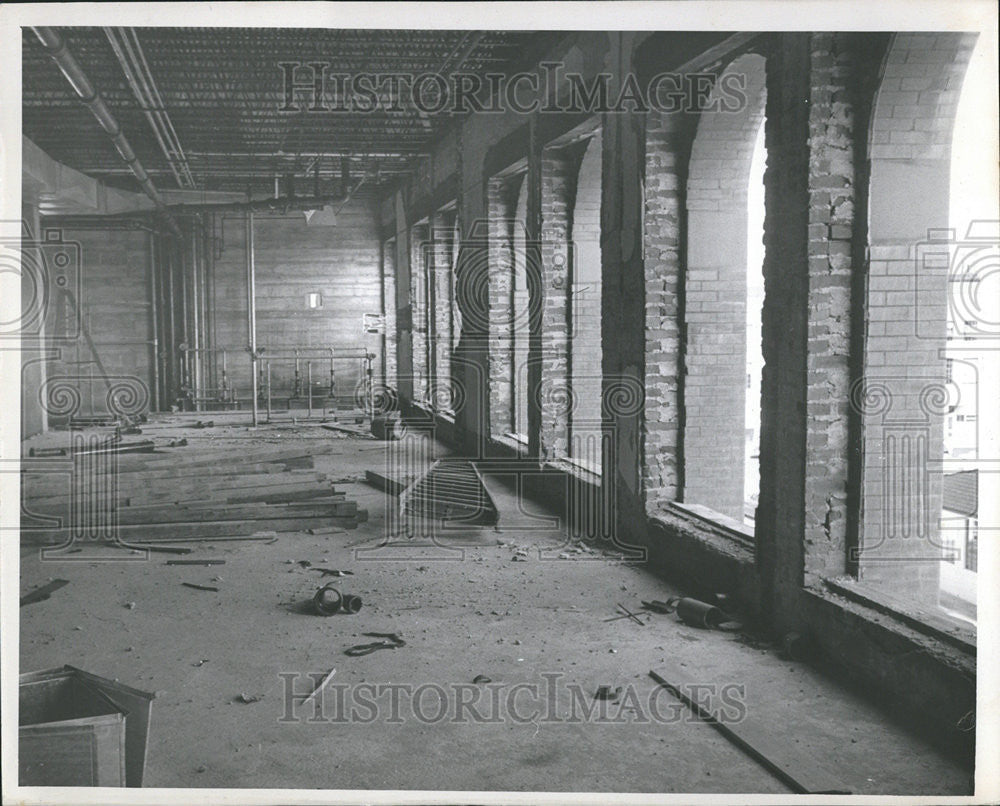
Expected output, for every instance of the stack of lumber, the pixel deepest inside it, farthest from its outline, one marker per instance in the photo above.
(185, 494)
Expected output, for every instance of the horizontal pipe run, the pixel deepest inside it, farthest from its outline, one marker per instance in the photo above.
(67, 63)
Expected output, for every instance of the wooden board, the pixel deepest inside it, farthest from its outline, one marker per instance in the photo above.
(763, 740)
(137, 533)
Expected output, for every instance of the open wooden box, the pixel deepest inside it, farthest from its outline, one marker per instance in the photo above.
(78, 729)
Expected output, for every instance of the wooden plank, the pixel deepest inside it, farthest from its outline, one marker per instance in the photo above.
(391, 485)
(44, 592)
(127, 485)
(36, 480)
(174, 514)
(167, 532)
(168, 494)
(764, 741)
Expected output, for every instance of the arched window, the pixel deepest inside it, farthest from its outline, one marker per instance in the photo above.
(914, 280)
(723, 293)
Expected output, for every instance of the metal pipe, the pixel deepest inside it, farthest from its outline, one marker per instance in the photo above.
(251, 311)
(208, 250)
(185, 332)
(309, 380)
(158, 105)
(144, 104)
(156, 312)
(195, 316)
(171, 352)
(269, 204)
(67, 63)
(268, 384)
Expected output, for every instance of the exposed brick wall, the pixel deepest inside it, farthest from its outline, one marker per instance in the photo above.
(716, 296)
(779, 524)
(420, 255)
(903, 395)
(832, 205)
(585, 309)
(501, 207)
(443, 233)
(559, 172)
(113, 310)
(665, 174)
(292, 259)
(918, 97)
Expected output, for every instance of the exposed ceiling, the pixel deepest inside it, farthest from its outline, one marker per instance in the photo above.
(221, 90)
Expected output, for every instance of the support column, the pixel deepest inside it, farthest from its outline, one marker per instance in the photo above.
(623, 301)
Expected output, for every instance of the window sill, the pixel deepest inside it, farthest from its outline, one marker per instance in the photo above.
(577, 471)
(934, 625)
(511, 442)
(729, 526)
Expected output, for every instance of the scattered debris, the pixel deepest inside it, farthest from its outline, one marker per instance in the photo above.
(320, 686)
(163, 549)
(201, 662)
(44, 592)
(630, 615)
(246, 699)
(130, 605)
(304, 563)
(393, 485)
(195, 562)
(481, 678)
(327, 600)
(393, 641)
(608, 693)
(706, 616)
(332, 572)
(196, 586)
(664, 608)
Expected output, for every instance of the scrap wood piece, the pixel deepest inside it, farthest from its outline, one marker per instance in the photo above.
(319, 686)
(763, 742)
(198, 587)
(163, 549)
(630, 615)
(347, 429)
(44, 592)
(391, 485)
(196, 562)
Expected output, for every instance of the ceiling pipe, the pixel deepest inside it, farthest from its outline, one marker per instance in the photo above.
(282, 204)
(143, 89)
(56, 48)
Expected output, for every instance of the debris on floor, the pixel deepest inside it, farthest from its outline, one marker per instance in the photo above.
(44, 592)
(392, 641)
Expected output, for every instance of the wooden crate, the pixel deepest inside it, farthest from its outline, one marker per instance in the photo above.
(78, 729)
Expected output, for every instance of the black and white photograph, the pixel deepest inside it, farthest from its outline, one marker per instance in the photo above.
(500, 403)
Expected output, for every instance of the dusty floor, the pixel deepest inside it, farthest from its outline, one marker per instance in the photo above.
(537, 622)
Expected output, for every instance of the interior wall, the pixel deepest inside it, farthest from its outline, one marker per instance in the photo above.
(101, 328)
(292, 260)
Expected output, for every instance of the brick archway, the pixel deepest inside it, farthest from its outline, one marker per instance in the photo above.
(715, 291)
(901, 396)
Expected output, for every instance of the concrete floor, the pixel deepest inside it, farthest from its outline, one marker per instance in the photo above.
(480, 614)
